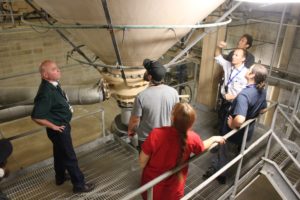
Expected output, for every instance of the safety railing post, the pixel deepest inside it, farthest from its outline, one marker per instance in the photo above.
(272, 129)
(238, 171)
(150, 193)
(103, 122)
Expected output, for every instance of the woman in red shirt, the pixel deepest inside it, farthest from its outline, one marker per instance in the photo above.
(168, 147)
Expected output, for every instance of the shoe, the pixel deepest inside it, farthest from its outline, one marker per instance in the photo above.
(221, 179)
(86, 188)
(209, 172)
(61, 181)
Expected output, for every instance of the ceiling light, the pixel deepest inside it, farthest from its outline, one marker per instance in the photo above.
(271, 1)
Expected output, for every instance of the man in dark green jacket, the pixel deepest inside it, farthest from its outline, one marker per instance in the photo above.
(52, 110)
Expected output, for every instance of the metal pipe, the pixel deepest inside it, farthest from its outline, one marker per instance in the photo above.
(271, 22)
(125, 27)
(13, 113)
(283, 80)
(196, 40)
(80, 95)
(17, 102)
(113, 38)
(277, 39)
(103, 121)
(61, 33)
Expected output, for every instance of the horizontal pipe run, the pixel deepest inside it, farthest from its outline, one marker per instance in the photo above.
(125, 27)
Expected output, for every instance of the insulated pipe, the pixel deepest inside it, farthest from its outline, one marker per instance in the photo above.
(17, 102)
(79, 95)
(15, 113)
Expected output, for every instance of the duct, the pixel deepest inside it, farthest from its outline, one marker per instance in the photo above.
(17, 102)
(15, 113)
(78, 95)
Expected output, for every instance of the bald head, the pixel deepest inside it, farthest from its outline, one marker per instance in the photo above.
(49, 70)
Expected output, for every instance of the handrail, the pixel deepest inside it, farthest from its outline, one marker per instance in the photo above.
(228, 165)
(289, 120)
(165, 175)
(286, 150)
(240, 156)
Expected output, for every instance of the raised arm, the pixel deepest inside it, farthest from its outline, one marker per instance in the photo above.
(219, 48)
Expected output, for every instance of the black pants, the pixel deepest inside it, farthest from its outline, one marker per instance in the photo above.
(65, 157)
(223, 114)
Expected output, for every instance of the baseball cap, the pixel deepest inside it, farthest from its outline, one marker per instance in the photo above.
(155, 69)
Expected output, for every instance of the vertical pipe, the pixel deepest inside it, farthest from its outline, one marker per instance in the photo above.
(272, 129)
(277, 39)
(62, 35)
(238, 172)
(103, 122)
(113, 38)
(195, 83)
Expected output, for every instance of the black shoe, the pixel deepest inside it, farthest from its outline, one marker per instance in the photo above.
(209, 172)
(61, 181)
(221, 179)
(86, 188)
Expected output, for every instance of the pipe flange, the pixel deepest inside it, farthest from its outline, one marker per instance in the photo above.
(103, 85)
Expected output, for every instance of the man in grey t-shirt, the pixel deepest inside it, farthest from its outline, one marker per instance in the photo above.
(152, 107)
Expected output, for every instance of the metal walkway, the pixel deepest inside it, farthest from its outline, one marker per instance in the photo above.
(112, 167)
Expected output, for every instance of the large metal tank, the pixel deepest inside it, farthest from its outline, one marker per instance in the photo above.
(134, 45)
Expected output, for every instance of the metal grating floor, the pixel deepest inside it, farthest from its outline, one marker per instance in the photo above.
(112, 168)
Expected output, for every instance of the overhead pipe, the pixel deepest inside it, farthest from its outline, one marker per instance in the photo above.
(81, 95)
(196, 40)
(14, 113)
(60, 33)
(113, 39)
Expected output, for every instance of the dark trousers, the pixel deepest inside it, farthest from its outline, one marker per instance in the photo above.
(223, 114)
(65, 157)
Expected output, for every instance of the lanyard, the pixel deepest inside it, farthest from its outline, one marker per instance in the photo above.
(231, 79)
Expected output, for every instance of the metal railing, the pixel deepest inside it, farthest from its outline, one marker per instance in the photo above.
(239, 158)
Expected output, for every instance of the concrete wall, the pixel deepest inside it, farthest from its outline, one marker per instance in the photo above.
(22, 49)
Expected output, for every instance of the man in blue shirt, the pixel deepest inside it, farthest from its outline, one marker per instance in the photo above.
(249, 103)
